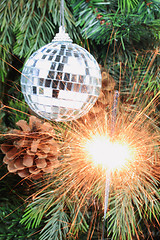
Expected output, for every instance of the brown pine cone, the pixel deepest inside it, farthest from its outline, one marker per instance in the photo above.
(32, 150)
(106, 96)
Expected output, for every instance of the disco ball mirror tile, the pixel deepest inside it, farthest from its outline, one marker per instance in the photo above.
(61, 81)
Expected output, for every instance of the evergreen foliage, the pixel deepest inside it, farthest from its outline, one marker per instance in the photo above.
(10, 228)
(59, 213)
(109, 21)
(17, 111)
(124, 37)
(12, 195)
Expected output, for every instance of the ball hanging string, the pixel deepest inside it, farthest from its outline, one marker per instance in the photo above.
(62, 15)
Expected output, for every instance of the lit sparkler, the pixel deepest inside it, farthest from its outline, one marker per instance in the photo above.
(126, 159)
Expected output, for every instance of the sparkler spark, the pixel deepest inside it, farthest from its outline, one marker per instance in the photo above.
(108, 154)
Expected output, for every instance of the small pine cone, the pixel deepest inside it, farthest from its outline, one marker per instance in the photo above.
(108, 83)
(105, 99)
(32, 150)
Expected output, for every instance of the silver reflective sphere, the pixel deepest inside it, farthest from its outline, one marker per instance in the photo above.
(61, 81)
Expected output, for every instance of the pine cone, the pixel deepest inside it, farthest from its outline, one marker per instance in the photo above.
(106, 96)
(32, 150)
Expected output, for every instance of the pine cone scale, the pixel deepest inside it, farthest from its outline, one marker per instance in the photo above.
(41, 163)
(11, 167)
(23, 125)
(6, 160)
(23, 173)
(34, 170)
(5, 147)
(18, 164)
(12, 153)
(28, 160)
(34, 145)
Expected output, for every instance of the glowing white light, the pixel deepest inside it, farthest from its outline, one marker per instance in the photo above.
(106, 154)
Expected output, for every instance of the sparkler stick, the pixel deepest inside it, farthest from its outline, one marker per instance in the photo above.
(114, 112)
(108, 173)
(106, 199)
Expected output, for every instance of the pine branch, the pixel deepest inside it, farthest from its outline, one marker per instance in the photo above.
(104, 26)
